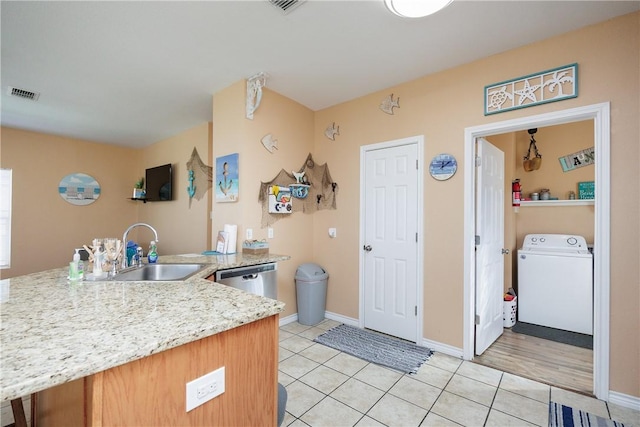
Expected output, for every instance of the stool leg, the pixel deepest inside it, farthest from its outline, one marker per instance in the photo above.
(19, 418)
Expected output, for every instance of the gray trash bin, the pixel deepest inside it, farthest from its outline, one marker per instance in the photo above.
(311, 293)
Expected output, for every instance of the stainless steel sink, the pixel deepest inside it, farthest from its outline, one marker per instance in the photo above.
(158, 272)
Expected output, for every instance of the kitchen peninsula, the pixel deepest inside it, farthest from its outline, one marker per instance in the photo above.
(121, 353)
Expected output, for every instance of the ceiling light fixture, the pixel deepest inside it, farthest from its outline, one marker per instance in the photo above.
(416, 8)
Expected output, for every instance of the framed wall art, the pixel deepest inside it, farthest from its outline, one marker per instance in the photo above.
(227, 174)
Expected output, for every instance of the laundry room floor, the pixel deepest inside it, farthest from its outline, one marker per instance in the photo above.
(554, 363)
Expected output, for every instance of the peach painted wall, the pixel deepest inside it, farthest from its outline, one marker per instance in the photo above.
(182, 224)
(45, 228)
(440, 107)
(292, 125)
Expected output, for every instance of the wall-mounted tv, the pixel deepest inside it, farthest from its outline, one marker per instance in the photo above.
(158, 181)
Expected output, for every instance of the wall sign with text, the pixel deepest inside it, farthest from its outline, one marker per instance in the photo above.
(586, 157)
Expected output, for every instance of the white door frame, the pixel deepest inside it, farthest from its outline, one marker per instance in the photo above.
(419, 141)
(600, 114)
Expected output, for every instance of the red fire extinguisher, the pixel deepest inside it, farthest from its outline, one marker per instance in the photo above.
(515, 189)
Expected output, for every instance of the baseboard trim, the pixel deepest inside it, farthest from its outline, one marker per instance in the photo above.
(624, 400)
(342, 319)
(447, 349)
(289, 319)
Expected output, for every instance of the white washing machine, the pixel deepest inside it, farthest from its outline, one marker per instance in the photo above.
(555, 282)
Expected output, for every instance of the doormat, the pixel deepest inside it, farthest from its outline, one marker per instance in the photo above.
(377, 348)
(558, 335)
(566, 416)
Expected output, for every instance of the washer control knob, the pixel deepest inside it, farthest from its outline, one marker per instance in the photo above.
(534, 239)
(572, 241)
(542, 239)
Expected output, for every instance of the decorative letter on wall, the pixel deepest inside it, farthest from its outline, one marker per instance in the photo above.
(254, 92)
(539, 88)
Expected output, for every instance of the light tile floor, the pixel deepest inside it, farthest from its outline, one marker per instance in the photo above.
(326, 387)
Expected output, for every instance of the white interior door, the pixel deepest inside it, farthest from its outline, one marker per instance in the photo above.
(390, 240)
(489, 244)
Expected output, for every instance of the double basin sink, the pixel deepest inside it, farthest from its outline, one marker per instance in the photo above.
(157, 273)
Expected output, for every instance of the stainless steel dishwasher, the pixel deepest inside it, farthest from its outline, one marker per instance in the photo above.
(258, 279)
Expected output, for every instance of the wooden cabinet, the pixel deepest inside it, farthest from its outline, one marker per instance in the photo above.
(152, 391)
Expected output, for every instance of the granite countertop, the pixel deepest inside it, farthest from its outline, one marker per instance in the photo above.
(53, 331)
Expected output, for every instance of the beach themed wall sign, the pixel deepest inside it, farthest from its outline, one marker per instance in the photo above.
(79, 189)
(534, 89)
(227, 174)
(582, 158)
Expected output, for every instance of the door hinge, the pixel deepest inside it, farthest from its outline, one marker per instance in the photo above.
(477, 319)
(416, 237)
(478, 161)
(416, 310)
(477, 240)
(417, 164)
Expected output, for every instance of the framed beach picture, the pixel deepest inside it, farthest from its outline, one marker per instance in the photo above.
(226, 183)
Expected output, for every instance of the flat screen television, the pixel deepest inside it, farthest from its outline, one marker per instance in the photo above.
(158, 182)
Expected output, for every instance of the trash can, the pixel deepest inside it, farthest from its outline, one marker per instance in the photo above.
(509, 312)
(311, 293)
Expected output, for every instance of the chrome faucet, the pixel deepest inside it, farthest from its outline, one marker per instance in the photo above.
(125, 262)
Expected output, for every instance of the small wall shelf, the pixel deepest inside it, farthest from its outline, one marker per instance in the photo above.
(138, 199)
(577, 202)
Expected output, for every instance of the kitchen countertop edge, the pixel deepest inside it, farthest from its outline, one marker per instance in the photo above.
(65, 331)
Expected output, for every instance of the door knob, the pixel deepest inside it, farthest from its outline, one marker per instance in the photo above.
(367, 248)
(506, 251)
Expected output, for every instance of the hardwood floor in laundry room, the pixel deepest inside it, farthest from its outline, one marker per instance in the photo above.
(553, 363)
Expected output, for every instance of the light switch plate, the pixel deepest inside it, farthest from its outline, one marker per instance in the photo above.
(332, 232)
(249, 233)
(270, 232)
(205, 388)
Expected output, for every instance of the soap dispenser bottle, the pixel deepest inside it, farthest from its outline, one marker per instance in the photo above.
(76, 267)
(152, 255)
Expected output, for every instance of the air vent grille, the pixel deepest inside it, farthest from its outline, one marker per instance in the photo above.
(23, 93)
(286, 6)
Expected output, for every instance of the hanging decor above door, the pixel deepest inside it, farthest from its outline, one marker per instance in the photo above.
(535, 89)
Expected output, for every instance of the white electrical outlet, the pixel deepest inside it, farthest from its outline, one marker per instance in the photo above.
(249, 233)
(270, 233)
(205, 388)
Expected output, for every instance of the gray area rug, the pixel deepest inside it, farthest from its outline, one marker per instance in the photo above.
(377, 348)
(558, 335)
(566, 416)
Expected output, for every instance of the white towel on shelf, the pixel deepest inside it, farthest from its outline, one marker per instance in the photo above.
(232, 235)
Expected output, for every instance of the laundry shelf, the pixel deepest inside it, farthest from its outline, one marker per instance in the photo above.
(577, 202)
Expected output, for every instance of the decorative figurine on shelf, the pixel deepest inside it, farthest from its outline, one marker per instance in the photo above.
(191, 189)
(299, 176)
(138, 189)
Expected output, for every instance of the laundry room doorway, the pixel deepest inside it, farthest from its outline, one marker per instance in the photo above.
(599, 115)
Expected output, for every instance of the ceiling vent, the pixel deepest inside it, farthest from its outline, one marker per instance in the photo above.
(286, 6)
(23, 93)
